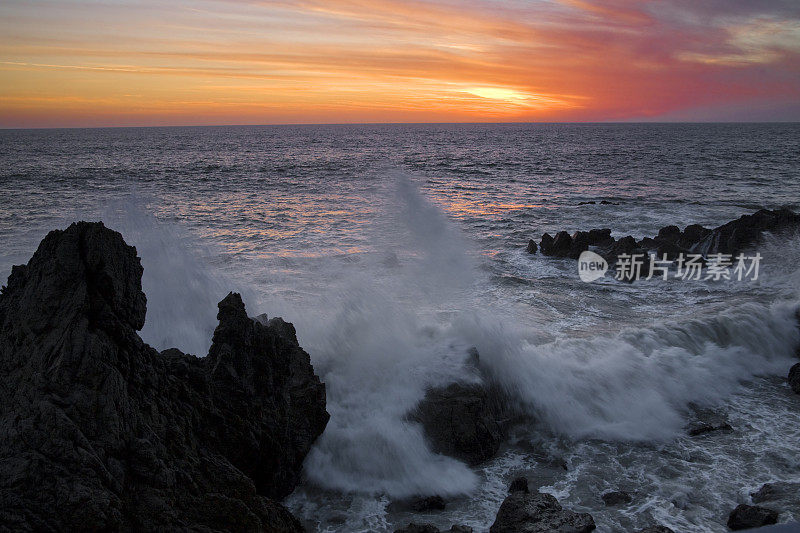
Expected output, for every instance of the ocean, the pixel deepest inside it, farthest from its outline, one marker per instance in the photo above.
(394, 249)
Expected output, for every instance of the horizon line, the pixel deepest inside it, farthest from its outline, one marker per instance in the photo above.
(278, 124)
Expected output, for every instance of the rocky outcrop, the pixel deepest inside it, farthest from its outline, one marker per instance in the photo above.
(731, 238)
(750, 516)
(461, 421)
(524, 512)
(99, 431)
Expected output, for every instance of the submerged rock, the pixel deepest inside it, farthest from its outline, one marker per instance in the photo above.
(794, 378)
(616, 498)
(523, 512)
(430, 528)
(780, 490)
(419, 504)
(99, 431)
(460, 421)
(750, 516)
(707, 421)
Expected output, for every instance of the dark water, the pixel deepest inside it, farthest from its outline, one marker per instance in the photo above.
(395, 248)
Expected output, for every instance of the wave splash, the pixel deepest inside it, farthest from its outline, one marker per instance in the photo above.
(384, 334)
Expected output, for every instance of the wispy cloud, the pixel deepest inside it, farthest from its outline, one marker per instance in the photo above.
(64, 62)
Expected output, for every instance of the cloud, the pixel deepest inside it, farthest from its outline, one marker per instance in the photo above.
(358, 60)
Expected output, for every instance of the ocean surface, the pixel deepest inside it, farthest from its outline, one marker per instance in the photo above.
(395, 248)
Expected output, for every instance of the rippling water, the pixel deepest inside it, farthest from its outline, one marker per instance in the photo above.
(395, 248)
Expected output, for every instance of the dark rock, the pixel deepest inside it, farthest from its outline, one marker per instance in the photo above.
(520, 484)
(430, 528)
(656, 529)
(616, 498)
(582, 240)
(744, 232)
(693, 233)
(707, 421)
(538, 513)
(780, 491)
(669, 249)
(561, 244)
(794, 378)
(608, 202)
(669, 234)
(99, 431)
(590, 202)
(731, 238)
(750, 516)
(701, 428)
(429, 503)
(418, 528)
(598, 236)
(531, 247)
(420, 504)
(546, 244)
(460, 421)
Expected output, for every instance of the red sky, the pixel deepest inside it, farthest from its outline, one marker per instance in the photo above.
(121, 63)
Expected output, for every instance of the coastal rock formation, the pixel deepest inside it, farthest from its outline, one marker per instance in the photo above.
(523, 512)
(460, 421)
(99, 431)
(731, 238)
(750, 516)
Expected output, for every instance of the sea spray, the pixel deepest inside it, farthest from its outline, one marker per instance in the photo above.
(637, 385)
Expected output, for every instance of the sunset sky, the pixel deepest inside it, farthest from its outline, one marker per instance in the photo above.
(119, 62)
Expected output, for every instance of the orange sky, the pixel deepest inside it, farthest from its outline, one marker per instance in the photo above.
(118, 62)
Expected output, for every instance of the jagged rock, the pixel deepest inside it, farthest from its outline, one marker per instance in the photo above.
(460, 421)
(794, 378)
(750, 516)
(656, 529)
(520, 484)
(735, 236)
(99, 431)
(616, 498)
(538, 512)
(546, 244)
(669, 233)
(531, 249)
(731, 238)
(562, 243)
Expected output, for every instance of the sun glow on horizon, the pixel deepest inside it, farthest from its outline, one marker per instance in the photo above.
(83, 63)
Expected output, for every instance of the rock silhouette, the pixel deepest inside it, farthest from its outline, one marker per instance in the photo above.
(99, 431)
